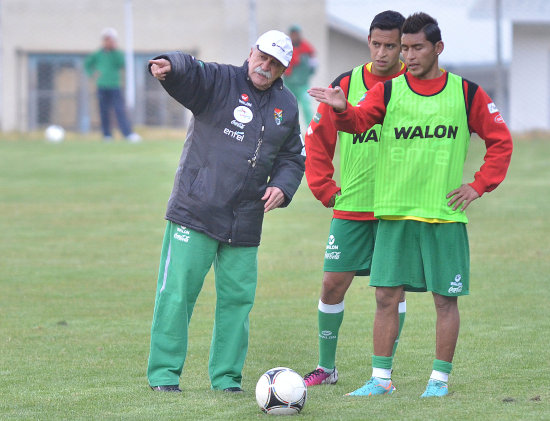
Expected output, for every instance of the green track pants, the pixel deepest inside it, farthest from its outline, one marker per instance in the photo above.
(186, 258)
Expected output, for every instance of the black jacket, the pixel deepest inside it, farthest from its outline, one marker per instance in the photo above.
(240, 141)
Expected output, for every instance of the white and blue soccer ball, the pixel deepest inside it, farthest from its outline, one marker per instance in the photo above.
(281, 391)
(54, 133)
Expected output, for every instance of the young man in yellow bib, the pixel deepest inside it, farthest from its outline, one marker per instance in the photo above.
(353, 227)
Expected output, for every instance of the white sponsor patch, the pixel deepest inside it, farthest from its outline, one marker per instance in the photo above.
(456, 285)
(182, 234)
(243, 114)
(237, 124)
(233, 134)
(492, 108)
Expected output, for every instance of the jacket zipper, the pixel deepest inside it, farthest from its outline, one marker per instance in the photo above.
(252, 161)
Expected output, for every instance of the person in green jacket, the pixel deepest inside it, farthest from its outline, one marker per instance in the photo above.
(299, 71)
(106, 63)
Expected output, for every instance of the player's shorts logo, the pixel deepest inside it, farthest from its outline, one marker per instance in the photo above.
(456, 285)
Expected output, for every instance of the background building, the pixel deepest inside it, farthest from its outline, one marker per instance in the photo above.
(529, 74)
(43, 45)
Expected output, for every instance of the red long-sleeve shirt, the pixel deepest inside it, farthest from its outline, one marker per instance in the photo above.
(320, 143)
(483, 119)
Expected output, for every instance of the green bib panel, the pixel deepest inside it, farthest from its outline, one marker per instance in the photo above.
(424, 142)
(357, 157)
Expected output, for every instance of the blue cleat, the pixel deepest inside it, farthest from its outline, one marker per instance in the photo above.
(373, 387)
(435, 388)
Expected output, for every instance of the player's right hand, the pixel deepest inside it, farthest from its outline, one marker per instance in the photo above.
(160, 68)
(332, 200)
(331, 96)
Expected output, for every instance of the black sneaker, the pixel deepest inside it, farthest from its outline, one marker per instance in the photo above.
(233, 390)
(169, 388)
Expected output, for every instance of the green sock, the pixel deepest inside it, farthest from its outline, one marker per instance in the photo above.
(381, 366)
(441, 370)
(402, 313)
(330, 320)
(443, 366)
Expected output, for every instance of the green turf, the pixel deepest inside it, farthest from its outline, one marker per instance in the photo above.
(82, 223)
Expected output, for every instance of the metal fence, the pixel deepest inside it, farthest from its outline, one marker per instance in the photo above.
(61, 93)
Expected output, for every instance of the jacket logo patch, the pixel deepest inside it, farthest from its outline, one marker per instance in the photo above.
(237, 124)
(492, 108)
(278, 116)
(233, 134)
(317, 117)
(243, 114)
(244, 100)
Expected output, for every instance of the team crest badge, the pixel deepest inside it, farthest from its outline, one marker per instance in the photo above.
(278, 115)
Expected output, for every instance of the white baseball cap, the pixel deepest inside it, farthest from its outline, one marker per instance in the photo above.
(276, 44)
(109, 33)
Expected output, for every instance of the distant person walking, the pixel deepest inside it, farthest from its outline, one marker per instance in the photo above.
(106, 63)
(299, 71)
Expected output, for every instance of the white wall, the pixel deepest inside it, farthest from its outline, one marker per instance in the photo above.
(345, 54)
(530, 78)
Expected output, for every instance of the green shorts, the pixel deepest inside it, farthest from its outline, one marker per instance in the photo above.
(350, 246)
(422, 257)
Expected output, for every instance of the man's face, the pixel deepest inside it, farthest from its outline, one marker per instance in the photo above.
(295, 37)
(421, 55)
(263, 69)
(384, 46)
(109, 43)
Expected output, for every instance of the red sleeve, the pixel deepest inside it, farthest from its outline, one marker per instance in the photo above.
(485, 119)
(366, 114)
(320, 142)
(307, 48)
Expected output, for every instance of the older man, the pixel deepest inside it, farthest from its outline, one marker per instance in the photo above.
(242, 158)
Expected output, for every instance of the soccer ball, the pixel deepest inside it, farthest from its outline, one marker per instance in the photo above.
(281, 391)
(55, 133)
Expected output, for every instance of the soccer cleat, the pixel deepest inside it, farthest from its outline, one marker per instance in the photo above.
(234, 389)
(320, 376)
(169, 388)
(373, 387)
(435, 388)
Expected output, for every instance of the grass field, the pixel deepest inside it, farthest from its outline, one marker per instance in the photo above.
(82, 223)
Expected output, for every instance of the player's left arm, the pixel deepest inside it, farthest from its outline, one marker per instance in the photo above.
(485, 120)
